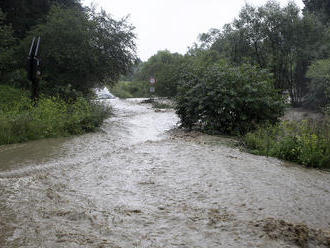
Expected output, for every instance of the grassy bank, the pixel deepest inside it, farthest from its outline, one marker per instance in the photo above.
(306, 142)
(52, 117)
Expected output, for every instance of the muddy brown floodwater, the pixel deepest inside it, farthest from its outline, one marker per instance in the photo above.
(137, 184)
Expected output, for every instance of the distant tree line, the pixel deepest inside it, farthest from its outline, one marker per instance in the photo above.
(280, 40)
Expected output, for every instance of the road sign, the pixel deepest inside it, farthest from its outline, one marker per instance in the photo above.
(152, 80)
(152, 89)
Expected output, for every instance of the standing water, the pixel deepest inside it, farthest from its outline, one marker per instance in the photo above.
(134, 184)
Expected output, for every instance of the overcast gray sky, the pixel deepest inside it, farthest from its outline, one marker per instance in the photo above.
(174, 24)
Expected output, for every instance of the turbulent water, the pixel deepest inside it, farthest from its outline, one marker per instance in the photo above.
(137, 184)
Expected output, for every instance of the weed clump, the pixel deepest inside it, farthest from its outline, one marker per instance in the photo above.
(306, 142)
(21, 121)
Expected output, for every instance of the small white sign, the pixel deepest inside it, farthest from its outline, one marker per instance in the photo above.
(152, 89)
(152, 80)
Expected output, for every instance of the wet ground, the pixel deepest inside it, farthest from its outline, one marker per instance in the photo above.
(138, 184)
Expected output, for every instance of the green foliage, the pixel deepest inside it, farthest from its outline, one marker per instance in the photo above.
(305, 142)
(81, 50)
(131, 89)
(24, 14)
(319, 74)
(274, 38)
(7, 41)
(52, 117)
(201, 58)
(164, 66)
(226, 99)
(134, 70)
(321, 8)
(12, 98)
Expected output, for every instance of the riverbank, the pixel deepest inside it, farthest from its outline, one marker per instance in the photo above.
(302, 137)
(21, 121)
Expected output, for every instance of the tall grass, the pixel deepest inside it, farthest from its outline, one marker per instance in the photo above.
(20, 120)
(306, 142)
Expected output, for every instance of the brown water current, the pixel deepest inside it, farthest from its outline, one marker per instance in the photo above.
(137, 184)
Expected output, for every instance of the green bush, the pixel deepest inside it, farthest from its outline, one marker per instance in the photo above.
(226, 99)
(52, 117)
(164, 66)
(7, 42)
(13, 99)
(305, 142)
(319, 87)
(124, 89)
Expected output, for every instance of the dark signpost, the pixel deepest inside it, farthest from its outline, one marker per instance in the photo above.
(34, 71)
(152, 82)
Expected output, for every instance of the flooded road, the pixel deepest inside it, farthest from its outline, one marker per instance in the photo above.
(138, 184)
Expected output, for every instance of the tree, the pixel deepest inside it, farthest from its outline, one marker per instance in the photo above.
(24, 14)
(319, 74)
(134, 70)
(164, 67)
(273, 38)
(81, 50)
(7, 42)
(321, 8)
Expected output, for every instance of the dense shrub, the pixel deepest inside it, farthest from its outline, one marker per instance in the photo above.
(226, 99)
(52, 117)
(305, 142)
(164, 66)
(319, 87)
(7, 41)
(125, 89)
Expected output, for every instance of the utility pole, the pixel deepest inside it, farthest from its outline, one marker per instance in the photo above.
(34, 71)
